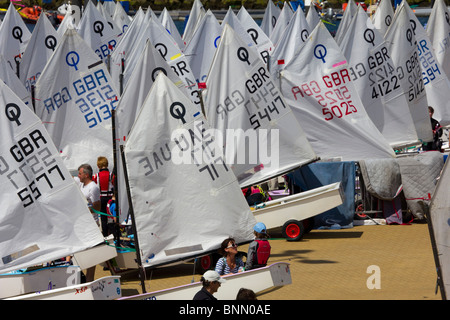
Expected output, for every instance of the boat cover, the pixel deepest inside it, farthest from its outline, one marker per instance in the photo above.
(419, 177)
(319, 174)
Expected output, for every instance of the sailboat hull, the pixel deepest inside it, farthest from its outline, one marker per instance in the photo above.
(258, 280)
(95, 255)
(13, 284)
(299, 206)
(106, 288)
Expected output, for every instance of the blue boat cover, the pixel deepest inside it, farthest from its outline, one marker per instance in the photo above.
(319, 174)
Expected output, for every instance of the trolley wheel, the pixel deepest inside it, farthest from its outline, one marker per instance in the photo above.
(293, 230)
(205, 263)
(359, 211)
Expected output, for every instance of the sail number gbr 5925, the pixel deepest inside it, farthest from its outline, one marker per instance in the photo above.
(335, 99)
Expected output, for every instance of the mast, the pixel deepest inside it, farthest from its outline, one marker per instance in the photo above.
(440, 282)
(133, 222)
(116, 194)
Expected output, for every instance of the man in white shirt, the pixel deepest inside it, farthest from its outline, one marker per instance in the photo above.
(92, 193)
(89, 188)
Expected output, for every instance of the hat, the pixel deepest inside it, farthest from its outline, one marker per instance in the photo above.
(212, 275)
(260, 227)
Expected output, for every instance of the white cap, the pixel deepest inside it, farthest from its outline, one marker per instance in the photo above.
(212, 275)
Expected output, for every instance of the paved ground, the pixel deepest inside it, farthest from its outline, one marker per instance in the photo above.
(334, 264)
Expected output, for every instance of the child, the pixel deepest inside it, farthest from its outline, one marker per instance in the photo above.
(259, 249)
(105, 181)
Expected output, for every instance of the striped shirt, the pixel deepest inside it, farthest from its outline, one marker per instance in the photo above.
(222, 266)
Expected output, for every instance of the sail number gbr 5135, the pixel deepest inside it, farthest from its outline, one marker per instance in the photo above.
(335, 98)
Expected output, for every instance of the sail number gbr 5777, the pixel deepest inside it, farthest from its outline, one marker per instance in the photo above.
(31, 167)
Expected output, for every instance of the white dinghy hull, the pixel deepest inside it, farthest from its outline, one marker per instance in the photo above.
(106, 288)
(258, 280)
(95, 255)
(13, 284)
(300, 206)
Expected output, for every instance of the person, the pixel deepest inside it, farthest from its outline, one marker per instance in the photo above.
(436, 144)
(92, 193)
(229, 263)
(246, 294)
(89, 188)
(259, 249)
(211, 282)
(105, 180)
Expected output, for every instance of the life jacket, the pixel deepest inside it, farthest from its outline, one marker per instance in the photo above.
(105, 183)
(262, 253)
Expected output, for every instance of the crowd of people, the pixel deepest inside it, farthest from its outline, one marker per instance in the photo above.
(257, 256)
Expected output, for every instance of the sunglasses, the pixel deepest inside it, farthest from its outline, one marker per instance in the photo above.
(234, 245)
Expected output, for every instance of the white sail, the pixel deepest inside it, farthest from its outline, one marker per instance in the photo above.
(125, 45)
(202, 46)
(150, 14)
(66, 23)
(313, 17)
(167, 22)
(107, 10)
(383, 16)
(317, 85)
(437, 85)
(377, 81)
(283, 21)
(439, 222)
(270, 18)
(296, 33)
(262, 41)
(195, 16)
(233, 21)
(347, 17)
(178, 61)
(209, 205)
(402, 45)
(41, 46)
(438, 29)
(74, 99)
(14, 36)
(8, 76)
(100, 35)
(121, 18)
(243, 103)
(141, 80)
(44, 215)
